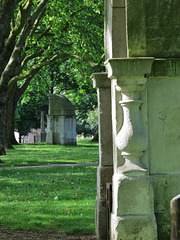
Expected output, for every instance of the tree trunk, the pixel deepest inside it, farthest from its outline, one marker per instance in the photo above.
(13, 97)
(20, 138)
(13, 139)
(96, 137)
(3, 94)
(10, 116)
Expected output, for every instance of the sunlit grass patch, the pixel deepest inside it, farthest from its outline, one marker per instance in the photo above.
(55, 198)
(42, 154)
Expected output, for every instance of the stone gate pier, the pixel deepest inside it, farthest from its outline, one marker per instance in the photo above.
(105, 169)
(139, 120)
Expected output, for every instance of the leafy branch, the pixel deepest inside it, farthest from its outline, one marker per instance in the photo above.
(44, 62)
(15, 59)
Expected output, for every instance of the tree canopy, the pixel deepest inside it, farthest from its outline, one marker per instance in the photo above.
(35, 34)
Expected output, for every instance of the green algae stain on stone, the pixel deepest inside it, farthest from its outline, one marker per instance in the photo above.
(136, 28)
(153, 28)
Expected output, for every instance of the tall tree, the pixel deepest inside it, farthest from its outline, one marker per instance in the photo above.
(36, 34)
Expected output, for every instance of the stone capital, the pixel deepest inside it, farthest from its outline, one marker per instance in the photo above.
(121, 67)
(130, 73)
(101, 80)
(49, 116)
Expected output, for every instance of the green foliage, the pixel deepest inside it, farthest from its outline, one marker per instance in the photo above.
(92, 120)
(70, 27)
(28, 111)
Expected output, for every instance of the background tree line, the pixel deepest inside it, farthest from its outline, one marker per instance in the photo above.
(47, 46)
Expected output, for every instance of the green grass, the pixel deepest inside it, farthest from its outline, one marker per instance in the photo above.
(61, 198)
(41, 154)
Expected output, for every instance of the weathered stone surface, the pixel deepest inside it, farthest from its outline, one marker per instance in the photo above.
(59, 105)
(135, 196)
(175, 217)
(105, 169)
(115, 29)
(142, 28)
(104, 175)
(169, 67)
(163, 131)
(152, 28)
(103, 84)
(164, 118)
(129, 67)
(163, 226)
(162, 24)
(133, 203)
(136, 29)
(61, 121)
(133, 30)
(105, 143)
(140, 228)
(43, 133)
(165, 188)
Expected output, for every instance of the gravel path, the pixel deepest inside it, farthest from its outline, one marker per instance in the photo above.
(6, 234)
(52, 165)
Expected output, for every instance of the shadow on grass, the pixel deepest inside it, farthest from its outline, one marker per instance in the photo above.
(86, 144)
(42, 154)
(43, 199)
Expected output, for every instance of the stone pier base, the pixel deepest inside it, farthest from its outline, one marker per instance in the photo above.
(104, 175)
(133, 217)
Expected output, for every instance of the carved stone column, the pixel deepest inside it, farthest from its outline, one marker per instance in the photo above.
(133, 204)
(131, 139)
(105, 168)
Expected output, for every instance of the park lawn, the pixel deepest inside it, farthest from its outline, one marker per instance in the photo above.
(61, 198)
(42, 154)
